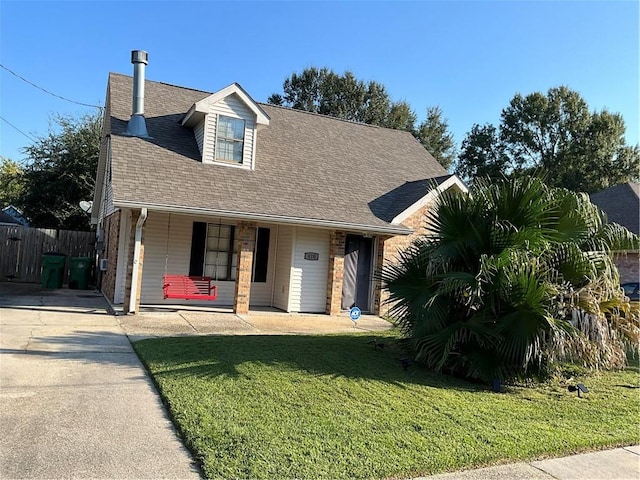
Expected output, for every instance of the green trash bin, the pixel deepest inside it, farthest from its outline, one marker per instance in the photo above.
(53, 269)
(79, 272)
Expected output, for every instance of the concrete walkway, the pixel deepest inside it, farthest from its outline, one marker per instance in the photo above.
(173, 322)
(616, 464)
(77, 403)
(75, 400)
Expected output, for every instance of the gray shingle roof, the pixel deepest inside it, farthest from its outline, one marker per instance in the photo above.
(621, 203)
(308, 166)
(5, 218)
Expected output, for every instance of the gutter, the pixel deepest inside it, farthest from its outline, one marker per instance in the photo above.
(261, 217)
(136, 260)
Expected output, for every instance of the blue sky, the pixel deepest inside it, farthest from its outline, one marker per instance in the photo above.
(469, 58)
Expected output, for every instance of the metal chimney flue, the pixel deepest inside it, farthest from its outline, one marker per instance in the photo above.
(137, 126)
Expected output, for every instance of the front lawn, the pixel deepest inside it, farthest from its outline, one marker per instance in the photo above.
(335, 407)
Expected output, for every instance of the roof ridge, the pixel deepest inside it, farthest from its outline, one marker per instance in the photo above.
(350, 122)
(164, 83)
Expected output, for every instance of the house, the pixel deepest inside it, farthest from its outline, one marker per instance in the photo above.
(10, 215)
(281, 208)
(621, 203)
(6, 219)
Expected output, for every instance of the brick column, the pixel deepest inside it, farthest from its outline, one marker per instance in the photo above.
(246, 237)
(111, 240)
(379, 296)
(336, 272)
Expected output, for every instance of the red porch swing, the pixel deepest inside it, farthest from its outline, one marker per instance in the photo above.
(185, 287)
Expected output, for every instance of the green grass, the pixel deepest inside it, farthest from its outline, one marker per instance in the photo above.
(333, 407)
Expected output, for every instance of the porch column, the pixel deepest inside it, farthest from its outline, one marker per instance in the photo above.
(135, 216)
(379, 296)
(246, 245)
(336, 272)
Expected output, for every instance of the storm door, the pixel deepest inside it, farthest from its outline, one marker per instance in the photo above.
(357, 272)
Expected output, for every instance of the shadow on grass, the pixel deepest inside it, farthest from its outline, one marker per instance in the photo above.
(348, 356)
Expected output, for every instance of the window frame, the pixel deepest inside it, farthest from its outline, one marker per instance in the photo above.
(230, 252)
(231, 140)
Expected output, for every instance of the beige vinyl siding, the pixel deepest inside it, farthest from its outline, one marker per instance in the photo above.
(158, 233)
(198, 131)
(309, 277)
(230, 106)
(108, 202)
(176, 233)
(106, 205)
(284, 240)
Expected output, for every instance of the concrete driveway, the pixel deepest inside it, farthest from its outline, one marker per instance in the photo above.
(76, 401)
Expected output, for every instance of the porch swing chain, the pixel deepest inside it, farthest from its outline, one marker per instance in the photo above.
(166, 257)
(215, 270)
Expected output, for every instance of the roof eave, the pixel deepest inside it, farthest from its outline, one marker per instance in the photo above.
(199, 109)
(263, 217)
(453, 180)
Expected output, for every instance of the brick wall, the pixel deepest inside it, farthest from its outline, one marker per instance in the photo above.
(628, 267)
(246, 243)
(389, 247)
(336, 272)
(111, 239)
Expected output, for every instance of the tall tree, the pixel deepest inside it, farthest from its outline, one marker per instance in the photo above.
(433, 133)
(482, 154)
(344, 96)
(557, 135)
(60, 173)
(11, 181)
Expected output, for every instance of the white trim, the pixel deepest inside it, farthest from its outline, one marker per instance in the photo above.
(199, 109)
(453, 180)
(253, 149)
(268, 218)
(136, 261)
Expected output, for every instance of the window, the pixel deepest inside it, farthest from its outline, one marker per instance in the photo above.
(214, 252)
(221, 256)
(229, 139)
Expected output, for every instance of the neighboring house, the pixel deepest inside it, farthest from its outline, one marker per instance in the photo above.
(282, 208)
(16, 215)
(621, 203)
(6, 219)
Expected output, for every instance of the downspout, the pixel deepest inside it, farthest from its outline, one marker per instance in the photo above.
(136, 261)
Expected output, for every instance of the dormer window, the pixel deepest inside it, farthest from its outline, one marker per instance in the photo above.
(225, 125)
(229, 139)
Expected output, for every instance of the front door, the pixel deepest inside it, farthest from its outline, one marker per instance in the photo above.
(357, 272)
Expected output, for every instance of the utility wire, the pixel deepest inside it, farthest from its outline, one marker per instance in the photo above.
(47, 91)
(11, 124)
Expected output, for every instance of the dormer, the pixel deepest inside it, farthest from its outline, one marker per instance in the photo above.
(225, 125)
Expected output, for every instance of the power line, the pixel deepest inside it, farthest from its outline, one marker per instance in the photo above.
(12, 125)
(47, 91)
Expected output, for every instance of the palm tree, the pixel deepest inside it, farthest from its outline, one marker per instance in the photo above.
(511, 278)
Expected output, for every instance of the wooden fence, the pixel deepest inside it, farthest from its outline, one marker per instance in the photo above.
(21, 250)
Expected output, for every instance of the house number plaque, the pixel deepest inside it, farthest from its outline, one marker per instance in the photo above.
(311, 256)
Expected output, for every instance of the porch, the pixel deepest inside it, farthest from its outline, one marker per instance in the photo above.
(293, 268)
